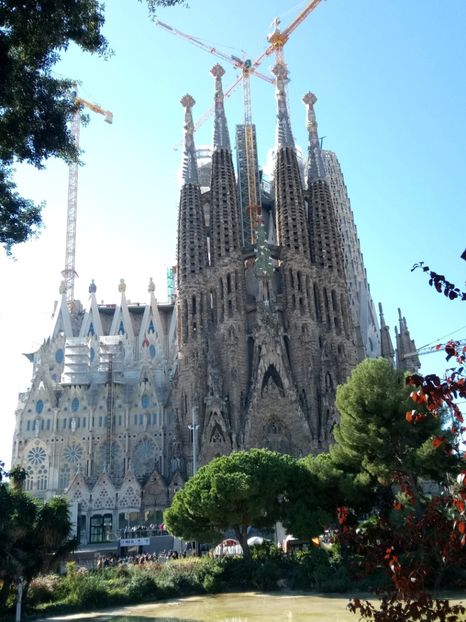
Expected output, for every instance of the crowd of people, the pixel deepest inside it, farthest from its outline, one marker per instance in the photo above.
(143, 531)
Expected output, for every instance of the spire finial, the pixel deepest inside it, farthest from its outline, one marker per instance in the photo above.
(122, 286)
(382, 318)
(151, 286)
(316, 169)
(284, 134)
(189, 175)
(221, 137)
(92, 287)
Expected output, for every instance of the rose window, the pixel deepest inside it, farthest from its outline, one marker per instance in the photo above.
(36, 455)
(144, 457)
(73, 453)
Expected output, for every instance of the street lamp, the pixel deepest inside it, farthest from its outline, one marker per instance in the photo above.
(194, 428)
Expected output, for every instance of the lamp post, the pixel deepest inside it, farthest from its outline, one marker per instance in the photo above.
(194, 428)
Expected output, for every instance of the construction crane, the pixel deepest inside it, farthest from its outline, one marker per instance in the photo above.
(69, 273)
(229, 58)
(276, 42)
(278, 39)
(437, 348)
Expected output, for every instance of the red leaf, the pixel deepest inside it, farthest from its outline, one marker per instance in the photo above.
(461, 526)
(410, 416)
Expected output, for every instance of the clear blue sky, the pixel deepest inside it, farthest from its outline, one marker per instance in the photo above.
(389, 77)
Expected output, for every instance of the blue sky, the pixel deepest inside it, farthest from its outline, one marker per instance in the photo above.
(389, 77)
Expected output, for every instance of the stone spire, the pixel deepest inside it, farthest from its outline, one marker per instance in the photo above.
(192, 240)
(284, 133)
(190, 175)
(407, 358)
(292, 232)
(315, 165)
(324, 238)
(386, 346)
(221, 136)
(225, 222)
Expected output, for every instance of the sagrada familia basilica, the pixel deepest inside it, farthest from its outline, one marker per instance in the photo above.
(271, 311)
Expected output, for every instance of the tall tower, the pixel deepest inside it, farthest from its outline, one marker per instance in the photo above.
(226, 343)
(191, 303)
(362, 307)
(241, 163)
(339, 340)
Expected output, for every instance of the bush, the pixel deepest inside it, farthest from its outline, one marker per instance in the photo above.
(141, 586)
(42, 589)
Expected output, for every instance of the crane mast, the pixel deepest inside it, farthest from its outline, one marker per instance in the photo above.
(69, 273)
(276, 42)
(254, 208)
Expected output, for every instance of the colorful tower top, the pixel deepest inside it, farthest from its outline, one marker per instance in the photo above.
(284, 134)
(315, 167)
(190, 175)
(221, 136)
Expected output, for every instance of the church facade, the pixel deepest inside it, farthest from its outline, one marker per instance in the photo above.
(268, 319)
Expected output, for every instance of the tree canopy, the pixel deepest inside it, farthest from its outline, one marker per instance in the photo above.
(374, 440)
(256, 487)
(35, 106)
(34, 535)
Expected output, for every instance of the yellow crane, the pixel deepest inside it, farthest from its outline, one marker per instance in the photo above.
(69, 273)
(277, 40)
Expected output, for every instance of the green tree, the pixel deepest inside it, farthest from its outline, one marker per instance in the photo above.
(374, 441)
(34, 535)
(35, 107)
(257, 487)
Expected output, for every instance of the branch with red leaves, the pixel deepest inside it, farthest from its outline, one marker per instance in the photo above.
(424, 536)
(440, 283)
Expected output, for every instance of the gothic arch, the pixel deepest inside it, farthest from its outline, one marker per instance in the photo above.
(272, 375)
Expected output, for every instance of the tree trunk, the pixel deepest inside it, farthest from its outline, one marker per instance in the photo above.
(242, 536)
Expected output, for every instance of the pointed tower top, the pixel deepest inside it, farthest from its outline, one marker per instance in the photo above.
(189, 175)
(284, 134)
(221, 136)
(315, 167)
(386, 346)
(406, 352)
(382, 318)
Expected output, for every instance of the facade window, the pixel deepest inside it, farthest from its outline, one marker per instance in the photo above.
(42, 478)
(84, 422)
(64, 424)
(39, 406)
(64, 478)
(135, 419)
(28, 426)
(100, 421)
(48, 424)
(101, 528)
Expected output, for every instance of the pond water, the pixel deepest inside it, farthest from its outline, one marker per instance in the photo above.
(250, 607)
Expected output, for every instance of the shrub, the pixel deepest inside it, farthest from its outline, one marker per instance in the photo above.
(42, 589)
(141, 586)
